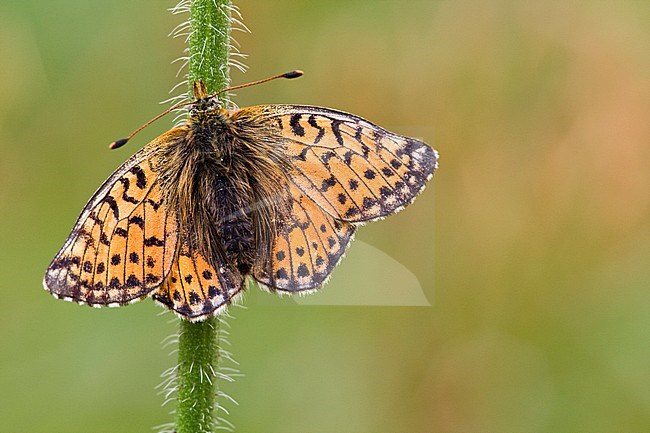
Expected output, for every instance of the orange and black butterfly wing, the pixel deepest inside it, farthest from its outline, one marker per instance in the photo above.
(195, 289)
(309, 245)
(123, 243)
(353, 169)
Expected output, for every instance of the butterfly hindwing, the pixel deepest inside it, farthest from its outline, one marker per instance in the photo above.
(195, 289)
(310, 244)
(122, 246)
(354, 170)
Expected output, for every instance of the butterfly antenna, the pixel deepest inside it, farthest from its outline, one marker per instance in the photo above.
(291, 74)
(121, 142)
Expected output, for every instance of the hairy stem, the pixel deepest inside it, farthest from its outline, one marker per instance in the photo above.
(209, 43)
(198, 347)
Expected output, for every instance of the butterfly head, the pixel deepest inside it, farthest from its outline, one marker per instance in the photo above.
(203, 101)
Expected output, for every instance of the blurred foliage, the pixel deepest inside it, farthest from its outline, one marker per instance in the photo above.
(532, 243)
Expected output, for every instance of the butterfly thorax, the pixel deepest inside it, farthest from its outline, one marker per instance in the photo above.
(229, 184)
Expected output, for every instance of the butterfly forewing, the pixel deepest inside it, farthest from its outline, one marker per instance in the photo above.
(354, 170)
(310, 244)
(123, 244)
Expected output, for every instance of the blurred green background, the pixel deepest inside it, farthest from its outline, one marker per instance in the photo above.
(532, 243)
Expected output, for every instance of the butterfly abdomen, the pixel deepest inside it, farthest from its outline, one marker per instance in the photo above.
(232, 222)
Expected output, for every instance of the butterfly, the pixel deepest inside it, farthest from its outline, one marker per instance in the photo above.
(271, 192)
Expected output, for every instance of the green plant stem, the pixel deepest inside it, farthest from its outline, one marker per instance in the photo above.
(209, 43)
(198, 346)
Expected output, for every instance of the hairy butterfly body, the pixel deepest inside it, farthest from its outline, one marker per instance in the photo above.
(272, 192)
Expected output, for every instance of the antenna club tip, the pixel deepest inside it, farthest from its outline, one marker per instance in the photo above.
(293, 74)
(118, 143)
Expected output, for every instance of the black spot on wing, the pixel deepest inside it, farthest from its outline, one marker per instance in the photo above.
(325, 158)
(112, 204)
(303, 270)
(336, 130)
(296, 127)
(213, 291)
(104, 239)
(137, 220)
(302, 155)
(369, 174)
(133, 281)
(154, 204)
(327, 183)
(368, 202)
(141, 178)
(153, 242)
(126, 197)
(321, 130)
(194, 298)
(351, 212)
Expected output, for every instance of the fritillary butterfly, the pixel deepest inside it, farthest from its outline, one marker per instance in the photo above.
(271, 192)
